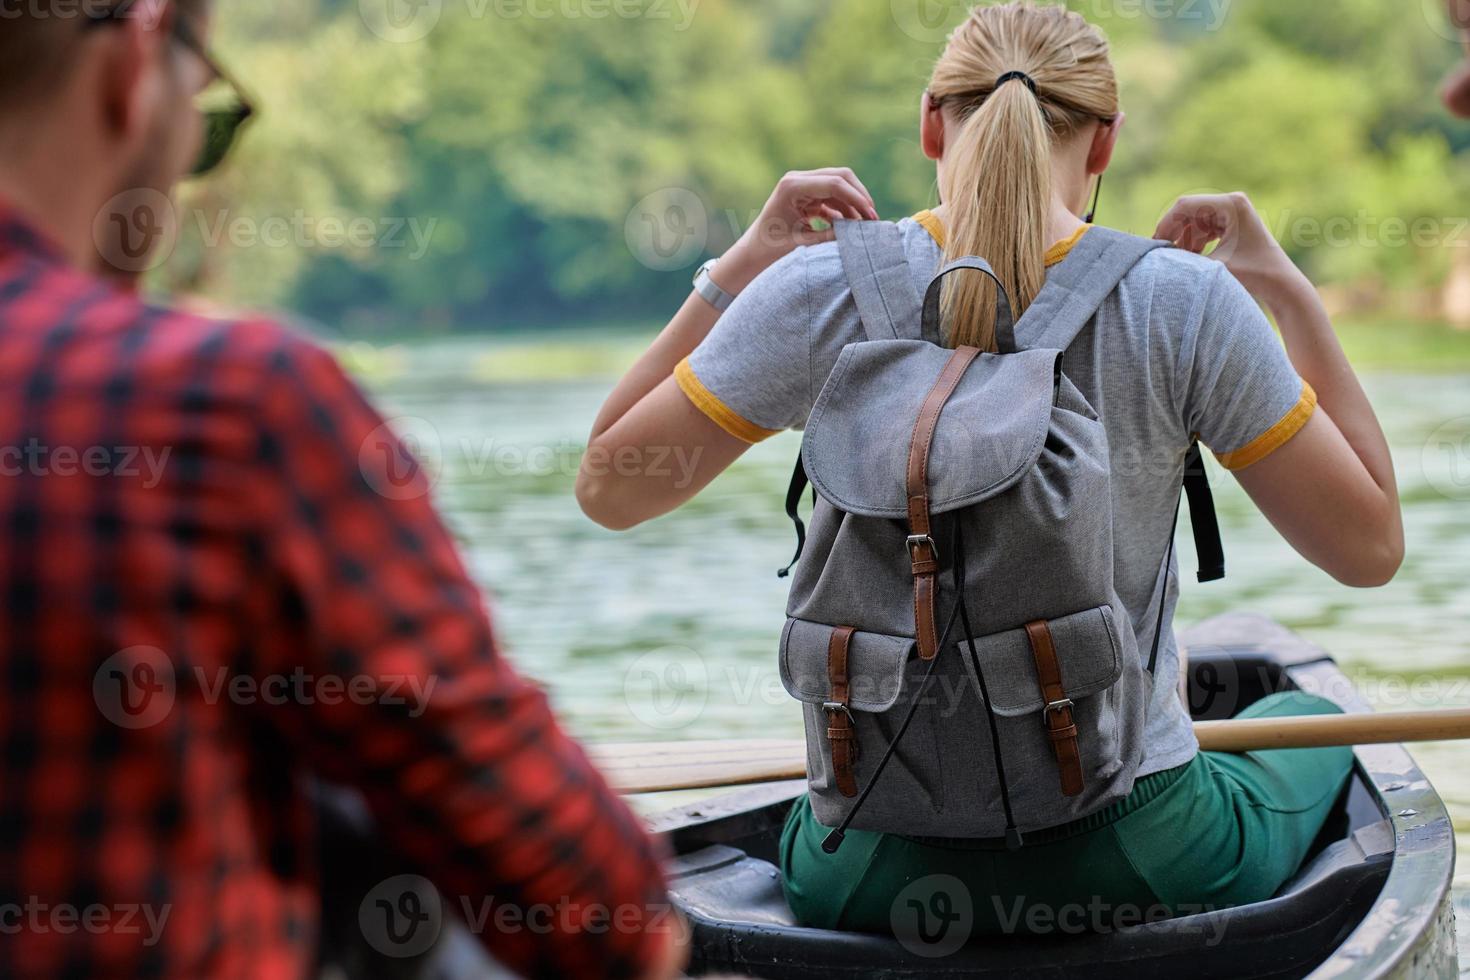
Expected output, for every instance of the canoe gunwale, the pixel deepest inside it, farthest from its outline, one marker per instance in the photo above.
(1411, 905)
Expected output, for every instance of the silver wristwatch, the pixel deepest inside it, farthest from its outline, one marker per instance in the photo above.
(710, 290)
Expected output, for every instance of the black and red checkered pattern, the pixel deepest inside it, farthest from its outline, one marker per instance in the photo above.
(215, 578)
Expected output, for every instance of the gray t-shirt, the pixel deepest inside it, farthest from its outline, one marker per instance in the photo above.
(1180, 348)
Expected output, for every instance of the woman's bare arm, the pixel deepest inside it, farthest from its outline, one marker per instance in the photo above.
(1331, 489)
(651, 450)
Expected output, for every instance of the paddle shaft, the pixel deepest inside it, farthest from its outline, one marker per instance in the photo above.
(1316, 731)
(652, 767)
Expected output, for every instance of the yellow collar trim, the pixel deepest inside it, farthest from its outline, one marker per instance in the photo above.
(930, 222)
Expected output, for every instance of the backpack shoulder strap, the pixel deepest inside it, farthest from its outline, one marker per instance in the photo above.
(1077, 287)
(877, 271)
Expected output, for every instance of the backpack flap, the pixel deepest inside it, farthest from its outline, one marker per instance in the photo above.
(1087, 649)
(875, 666)
(991, 431)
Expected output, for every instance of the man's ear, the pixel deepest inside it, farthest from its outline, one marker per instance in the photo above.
(1104, 142)
(931, 127)
(130, 78)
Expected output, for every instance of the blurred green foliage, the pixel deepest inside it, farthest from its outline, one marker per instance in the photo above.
(502, 156)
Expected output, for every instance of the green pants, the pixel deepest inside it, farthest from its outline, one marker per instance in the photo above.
(1222, 830)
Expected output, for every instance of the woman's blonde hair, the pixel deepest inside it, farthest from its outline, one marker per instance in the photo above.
(996, 181)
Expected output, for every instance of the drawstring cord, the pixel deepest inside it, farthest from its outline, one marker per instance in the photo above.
(1013, 835)
(834, 840)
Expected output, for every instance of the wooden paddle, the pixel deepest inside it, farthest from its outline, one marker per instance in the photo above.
(654, 767)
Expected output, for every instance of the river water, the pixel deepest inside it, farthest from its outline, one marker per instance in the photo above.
(670, 631)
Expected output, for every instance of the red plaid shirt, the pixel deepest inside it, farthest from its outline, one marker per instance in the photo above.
(218, 573)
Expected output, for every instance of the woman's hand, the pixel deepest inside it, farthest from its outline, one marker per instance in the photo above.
(785, 223)
(1330, 490)
(1245, 244)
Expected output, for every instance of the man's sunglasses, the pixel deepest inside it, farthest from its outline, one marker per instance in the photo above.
(223, 103)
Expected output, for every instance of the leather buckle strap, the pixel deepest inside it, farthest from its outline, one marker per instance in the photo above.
(923, 556)
(841, 734)
(1061, 726)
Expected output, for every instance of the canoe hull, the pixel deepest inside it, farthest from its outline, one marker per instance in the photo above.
(1374, 903)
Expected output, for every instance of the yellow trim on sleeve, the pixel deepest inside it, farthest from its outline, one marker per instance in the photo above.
(930, 222)
(1275, 437)
(719, 413)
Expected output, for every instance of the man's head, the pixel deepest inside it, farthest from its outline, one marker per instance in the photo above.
(102, 93)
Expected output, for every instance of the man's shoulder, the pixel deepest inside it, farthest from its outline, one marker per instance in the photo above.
(86, 331)
(221, 337)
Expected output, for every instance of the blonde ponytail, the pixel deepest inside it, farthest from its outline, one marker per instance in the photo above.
(997, 168)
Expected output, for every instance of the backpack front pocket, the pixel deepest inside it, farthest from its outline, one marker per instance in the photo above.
(1065, 732)
(856, 688)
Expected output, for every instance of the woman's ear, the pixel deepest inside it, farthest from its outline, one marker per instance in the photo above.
(931, 127)
(1104, 142)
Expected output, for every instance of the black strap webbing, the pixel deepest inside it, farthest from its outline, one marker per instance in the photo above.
(1209, 550)
(793, 510)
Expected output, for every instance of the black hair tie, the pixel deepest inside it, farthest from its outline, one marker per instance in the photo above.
(1012, 75)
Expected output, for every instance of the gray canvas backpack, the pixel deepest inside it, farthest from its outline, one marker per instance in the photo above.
(952, 625)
